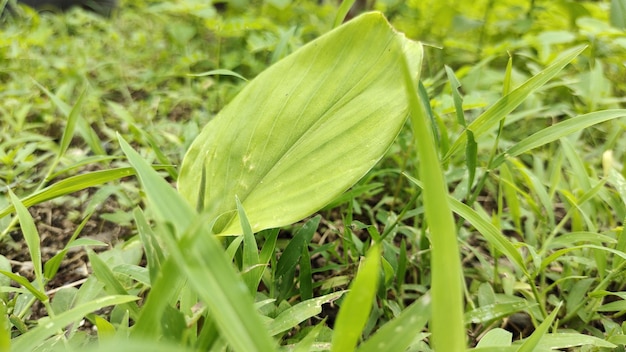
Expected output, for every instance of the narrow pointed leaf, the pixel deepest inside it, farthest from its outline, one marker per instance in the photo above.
(498, 111)
(398, 334)
(356, 307)
(304, 130)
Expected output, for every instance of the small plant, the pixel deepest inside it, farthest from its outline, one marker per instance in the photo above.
(516, 149)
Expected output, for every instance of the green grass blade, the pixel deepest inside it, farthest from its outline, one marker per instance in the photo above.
(111, 284)
(356, 306)
(398, 334)
(447, 311)
(342, 12)
(71, 184)
(163, 292)
(210, 273)
(31, 236)
(40, 295)
(218, 72)
(252, 267)
(50, 326)
(533, 340)
(300, 312)
(152, 248)
(51, 266)
(305, 277)
(618, 13)
(169, 206)
(201, 258)
(558, 131)
(5, 327)
(485, 227)
(289, 259)
(68, 133)
(509, 102)
(306, 344)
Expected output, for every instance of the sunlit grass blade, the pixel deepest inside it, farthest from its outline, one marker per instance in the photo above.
(39, 294)
(357, 305)
(111, 284)
(50, 326)
(5, 327)
(562, 341)
(218, 72)
(300, 312)
(559, 130)
(31, 236)
(447, 311)
(252, 269)
(71, 184)
(169, 206)
(342, 11)
(491, 312)
(398, 334)
(164, 292)
(490, 118)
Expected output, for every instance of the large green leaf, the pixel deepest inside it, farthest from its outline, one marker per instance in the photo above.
(304, 130)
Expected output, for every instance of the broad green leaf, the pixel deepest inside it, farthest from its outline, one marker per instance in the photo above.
(50, 326)
(304, 130)
(356, 306)
(398, 334)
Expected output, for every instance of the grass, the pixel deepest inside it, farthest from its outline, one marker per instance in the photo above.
(492, 220)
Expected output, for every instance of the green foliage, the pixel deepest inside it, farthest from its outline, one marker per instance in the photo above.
(307, 112)
(516, 127)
